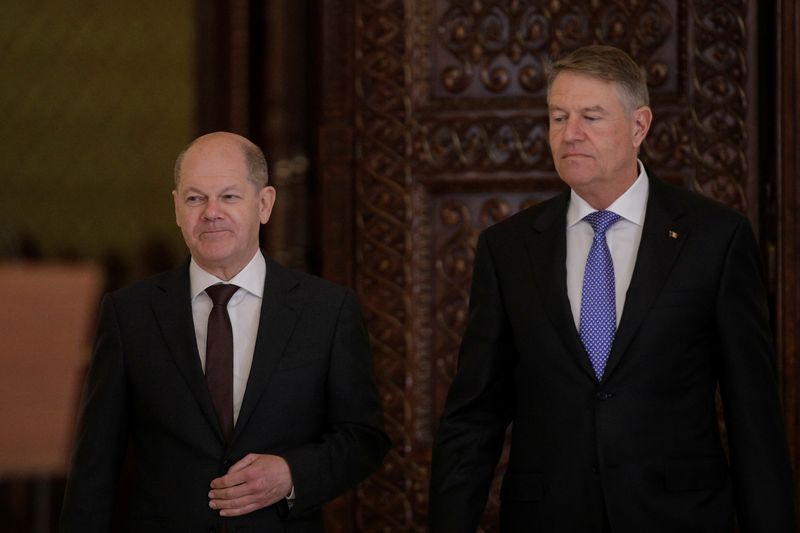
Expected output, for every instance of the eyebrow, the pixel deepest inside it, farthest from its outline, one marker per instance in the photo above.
(590, 109)
(192, 189)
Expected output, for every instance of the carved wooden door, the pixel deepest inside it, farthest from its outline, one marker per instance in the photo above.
(433, 126)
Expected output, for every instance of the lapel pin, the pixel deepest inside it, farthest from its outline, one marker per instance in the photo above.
(672, 234)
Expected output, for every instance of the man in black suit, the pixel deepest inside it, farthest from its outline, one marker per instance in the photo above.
(601, 324)
(294, 420)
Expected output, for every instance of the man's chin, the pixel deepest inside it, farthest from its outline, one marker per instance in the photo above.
(574, 178)
(212, 255)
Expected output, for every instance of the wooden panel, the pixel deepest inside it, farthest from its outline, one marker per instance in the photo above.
(223, 59)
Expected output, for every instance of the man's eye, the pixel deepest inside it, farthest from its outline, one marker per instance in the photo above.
(231, 197)
(557, 119)
(591, 118)
(194, 200)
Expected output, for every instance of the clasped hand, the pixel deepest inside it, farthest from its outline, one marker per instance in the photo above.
(254, 482)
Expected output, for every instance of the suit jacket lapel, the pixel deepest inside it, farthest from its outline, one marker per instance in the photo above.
(279, 314)
(547, 249)
(662, 240)
(173, 310)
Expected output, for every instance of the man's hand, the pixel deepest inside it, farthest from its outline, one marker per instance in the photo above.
(254, 482)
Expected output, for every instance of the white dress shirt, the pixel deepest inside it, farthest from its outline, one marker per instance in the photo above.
(244, 308)
(623, 241)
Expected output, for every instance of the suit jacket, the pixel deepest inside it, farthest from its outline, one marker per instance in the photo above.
(643, 444)
(310, 398)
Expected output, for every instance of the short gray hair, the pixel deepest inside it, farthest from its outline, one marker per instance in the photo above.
(606, 63)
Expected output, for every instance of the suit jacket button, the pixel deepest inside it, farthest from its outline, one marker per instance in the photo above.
(603, 395)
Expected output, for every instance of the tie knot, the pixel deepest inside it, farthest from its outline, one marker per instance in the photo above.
(221, 294)
(601, 221)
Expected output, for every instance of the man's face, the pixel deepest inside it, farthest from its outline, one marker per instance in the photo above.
(594, 138)
(218, 209)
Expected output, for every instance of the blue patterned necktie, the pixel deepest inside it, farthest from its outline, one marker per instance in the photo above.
(598, 300)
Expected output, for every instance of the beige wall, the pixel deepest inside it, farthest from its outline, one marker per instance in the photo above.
(96, 100)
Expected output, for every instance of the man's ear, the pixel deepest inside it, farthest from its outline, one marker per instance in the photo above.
(266, 200)
(642, 118)
(175, 201)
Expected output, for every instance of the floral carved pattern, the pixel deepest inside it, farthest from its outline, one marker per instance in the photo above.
(500, 47)
(516, 143)
(720, 108)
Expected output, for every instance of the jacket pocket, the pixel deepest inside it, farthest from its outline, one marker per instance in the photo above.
(695, 473)
(522, 487)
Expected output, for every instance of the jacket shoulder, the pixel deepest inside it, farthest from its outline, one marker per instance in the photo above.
(142, 290)
(303, 281)
(537, 216)
(698, 207)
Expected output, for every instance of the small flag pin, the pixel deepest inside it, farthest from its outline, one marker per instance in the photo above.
(673, 234)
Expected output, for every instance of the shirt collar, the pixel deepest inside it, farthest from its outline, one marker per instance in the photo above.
(630, 206)
(251, 278)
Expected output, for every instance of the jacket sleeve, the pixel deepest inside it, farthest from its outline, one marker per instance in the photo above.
(102, 434)
(757, 443)
(478, 410)
(355, 443)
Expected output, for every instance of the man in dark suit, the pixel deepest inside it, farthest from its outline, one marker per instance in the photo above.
(242, 415)
(601, 324)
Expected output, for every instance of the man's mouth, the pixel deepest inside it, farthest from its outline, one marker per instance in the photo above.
(213, 232)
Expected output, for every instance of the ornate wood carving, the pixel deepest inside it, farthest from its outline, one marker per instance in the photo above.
(383, 218)
(720, 106)
(514, 143)
(459, 220)
(489, 48)
(450, 136)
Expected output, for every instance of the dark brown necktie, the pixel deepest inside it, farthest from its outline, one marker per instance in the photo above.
(219, 356)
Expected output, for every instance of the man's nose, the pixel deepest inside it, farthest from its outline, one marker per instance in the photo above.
(212, 210)
(573, 130)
